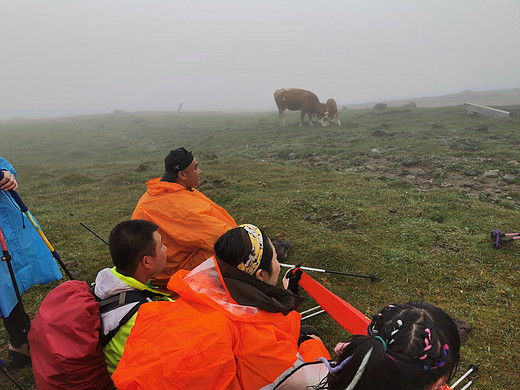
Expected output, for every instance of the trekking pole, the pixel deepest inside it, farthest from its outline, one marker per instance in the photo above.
(312, 312)
(372, 278)
(500, 238)
(24, 209)
(6, 256)
(11, 376)
(93, 233)
(472, 368)
(469, 384)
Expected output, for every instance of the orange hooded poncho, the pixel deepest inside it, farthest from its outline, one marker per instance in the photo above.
(189, 223)
(207, 340)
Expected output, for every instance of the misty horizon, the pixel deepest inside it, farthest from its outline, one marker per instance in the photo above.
(181, 108)
(91, 57)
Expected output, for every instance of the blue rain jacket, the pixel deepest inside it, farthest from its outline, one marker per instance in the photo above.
(32, 260)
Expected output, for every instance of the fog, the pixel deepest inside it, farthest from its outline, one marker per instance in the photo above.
(68, 57)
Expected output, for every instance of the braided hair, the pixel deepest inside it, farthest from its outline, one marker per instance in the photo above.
(408, 347)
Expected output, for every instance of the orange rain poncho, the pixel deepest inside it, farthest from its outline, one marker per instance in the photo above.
(189, 223)
(207, 340)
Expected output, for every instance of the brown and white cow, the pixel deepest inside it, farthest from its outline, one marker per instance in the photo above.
(295, 99)
(332, 110)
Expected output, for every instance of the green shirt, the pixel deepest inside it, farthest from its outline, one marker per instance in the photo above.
(115, 348)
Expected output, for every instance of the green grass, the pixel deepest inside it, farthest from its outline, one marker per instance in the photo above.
(309, 185)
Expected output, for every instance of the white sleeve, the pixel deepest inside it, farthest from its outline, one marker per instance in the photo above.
(305, 375)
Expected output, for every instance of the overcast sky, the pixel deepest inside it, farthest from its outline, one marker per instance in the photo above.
(67, 57)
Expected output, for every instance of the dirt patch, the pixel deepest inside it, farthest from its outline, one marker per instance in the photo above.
(490, 186)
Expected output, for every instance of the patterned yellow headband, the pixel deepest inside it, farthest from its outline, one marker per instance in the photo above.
(257, 249)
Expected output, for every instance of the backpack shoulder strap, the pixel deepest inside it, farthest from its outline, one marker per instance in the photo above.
(118, 300)
(123, 298)
(104, 339)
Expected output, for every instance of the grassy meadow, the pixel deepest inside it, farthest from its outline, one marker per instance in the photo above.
(410, 195)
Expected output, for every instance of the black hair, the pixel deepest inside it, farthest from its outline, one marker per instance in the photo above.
(234, 246)
(422, 345)
(129, 241)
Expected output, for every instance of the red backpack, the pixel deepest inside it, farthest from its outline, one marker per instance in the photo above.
(64, 339)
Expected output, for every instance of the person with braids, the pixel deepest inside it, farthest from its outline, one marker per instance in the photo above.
(231, 328)
(412, 346)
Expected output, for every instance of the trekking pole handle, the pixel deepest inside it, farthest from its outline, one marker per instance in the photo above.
(15, 195)
(372, 278)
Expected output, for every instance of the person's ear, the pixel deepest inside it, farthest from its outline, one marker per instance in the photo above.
(262, 275)
(145, 261)
(181, 177)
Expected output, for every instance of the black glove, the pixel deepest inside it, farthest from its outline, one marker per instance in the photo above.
(291, 279)
(305, 332)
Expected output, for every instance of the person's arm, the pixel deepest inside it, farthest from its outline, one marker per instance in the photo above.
(8, 182)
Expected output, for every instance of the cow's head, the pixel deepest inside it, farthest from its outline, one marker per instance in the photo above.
(323, 118)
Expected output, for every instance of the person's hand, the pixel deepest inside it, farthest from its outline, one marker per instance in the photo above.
(308, 332)
(8, 183)
(291, 279)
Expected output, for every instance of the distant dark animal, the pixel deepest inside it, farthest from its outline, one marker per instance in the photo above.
(332, 110)
(295, 99)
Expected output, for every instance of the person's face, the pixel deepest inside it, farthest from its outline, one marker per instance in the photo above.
(190, 177)
(158, 262)
(271, 278)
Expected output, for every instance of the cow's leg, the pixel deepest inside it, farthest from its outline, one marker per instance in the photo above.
(310, 119)
(302, 116)
(280, 115)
